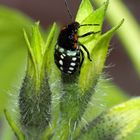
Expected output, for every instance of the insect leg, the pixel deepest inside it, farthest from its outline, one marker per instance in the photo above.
(88, 55)
(90, 25)
(89, 33)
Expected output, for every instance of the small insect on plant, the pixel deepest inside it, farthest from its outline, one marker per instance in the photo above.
(68, 48)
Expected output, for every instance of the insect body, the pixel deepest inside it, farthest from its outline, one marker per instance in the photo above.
(68, 48)
(67, 51)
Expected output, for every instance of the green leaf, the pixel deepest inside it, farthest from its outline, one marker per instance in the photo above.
(38, 53)
(35, 54)
(91, 71)
(95, 17)
(84, 11)
(116, 123)
(19, 134)
(116, 11)
(49, 49)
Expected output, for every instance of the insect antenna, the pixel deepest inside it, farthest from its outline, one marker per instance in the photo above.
(68, 9)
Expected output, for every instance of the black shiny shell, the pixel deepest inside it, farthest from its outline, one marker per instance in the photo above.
(67, 51)
(67, 61)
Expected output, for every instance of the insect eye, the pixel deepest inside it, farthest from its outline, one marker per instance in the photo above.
(71, 37)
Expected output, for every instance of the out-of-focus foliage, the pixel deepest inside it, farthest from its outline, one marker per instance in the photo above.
(12, 53)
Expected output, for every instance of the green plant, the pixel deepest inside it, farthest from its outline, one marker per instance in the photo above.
(60, 107)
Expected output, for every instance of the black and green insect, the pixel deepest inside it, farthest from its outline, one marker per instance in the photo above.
(68, 54)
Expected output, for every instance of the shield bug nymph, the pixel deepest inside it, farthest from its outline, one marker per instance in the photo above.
(68, 53)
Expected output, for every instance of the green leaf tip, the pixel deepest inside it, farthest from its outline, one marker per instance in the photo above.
(37, 51)
(84, 10)
(19, 134)
(50, 37)
(116, 123)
